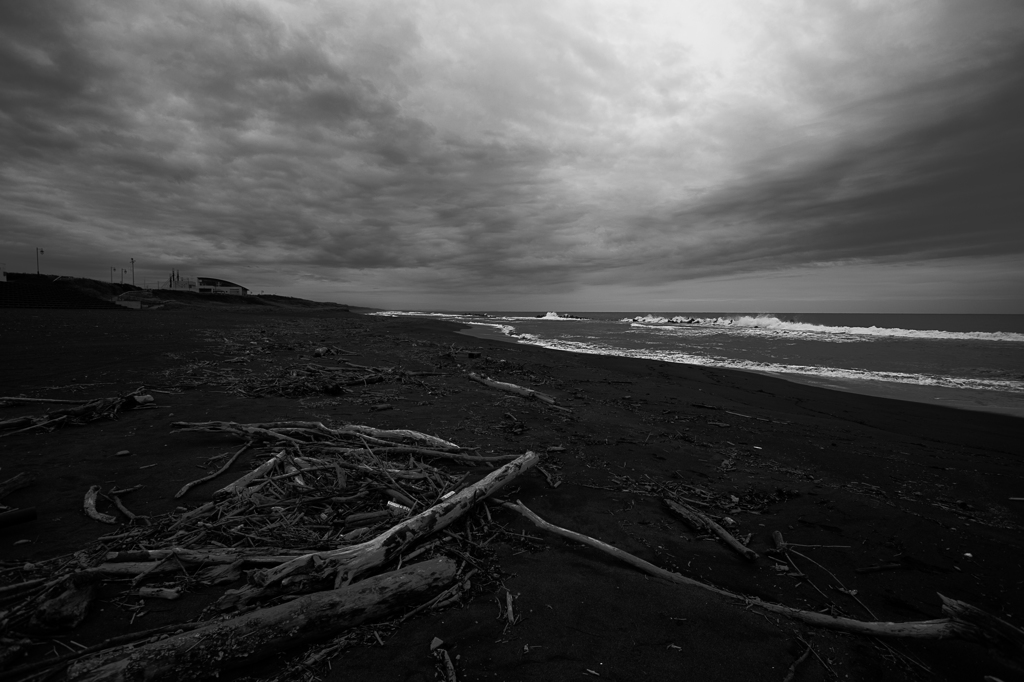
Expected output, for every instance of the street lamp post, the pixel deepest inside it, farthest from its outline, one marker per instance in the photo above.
(133, 272)
(112, 268)
(38, 252)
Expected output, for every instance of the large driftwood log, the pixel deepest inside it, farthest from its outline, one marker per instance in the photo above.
(207, 651)
(700, 520)
(962, 620)
(347, 563)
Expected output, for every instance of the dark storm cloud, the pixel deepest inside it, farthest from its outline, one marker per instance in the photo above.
(497, 147)
(939, 185)
(237, 137)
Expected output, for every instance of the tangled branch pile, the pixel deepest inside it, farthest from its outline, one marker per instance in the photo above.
(315, 522)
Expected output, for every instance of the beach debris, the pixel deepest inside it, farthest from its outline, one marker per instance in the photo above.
(17, 482)
(892, 566)
(962, 620)
(528, 393)
(795, 665)
(6, 401)
(343, 565)
(321, 510)
(90, 506)
(158, 593)
(553, 480)
(124, 510)
(222, 645)
(506, 610)
(82, 413)
(227, 465)
(701, 522)
(447, 668)
(67, 607)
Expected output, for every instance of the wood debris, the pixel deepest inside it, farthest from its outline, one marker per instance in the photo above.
(319, 509)
(962, 620)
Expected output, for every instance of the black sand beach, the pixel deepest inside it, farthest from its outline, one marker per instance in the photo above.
(886, 503)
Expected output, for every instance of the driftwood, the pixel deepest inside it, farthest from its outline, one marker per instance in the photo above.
(513, 388)
(347, 563)
(244, 481)
(157, 562)
(279, 429)
(227, 465)
(701, 522)
(207, 651)
(349, 439)
(66, 609)
(962, 620)
(158, 593)
(90, 506)
(21, 400)
(17, 482)
(82, 413)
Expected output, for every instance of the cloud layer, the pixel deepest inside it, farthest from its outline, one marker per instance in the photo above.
(429, 150)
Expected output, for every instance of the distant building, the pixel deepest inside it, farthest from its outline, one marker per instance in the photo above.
(212, 285)
(203, 285)
(178, 283)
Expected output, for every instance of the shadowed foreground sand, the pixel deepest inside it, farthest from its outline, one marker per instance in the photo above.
(886, 503)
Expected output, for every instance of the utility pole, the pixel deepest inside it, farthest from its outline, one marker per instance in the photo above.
(122, 275)
(38, 251)
(112, 268)
(133, 272)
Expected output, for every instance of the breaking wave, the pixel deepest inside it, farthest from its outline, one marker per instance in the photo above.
(772, 325)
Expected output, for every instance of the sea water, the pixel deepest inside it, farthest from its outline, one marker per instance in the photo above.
(965, 361)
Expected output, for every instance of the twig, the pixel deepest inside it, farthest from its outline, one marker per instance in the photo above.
(791, 673)
(227, 465)
(730, 541)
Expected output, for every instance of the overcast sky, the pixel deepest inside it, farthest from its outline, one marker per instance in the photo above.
(743, 155)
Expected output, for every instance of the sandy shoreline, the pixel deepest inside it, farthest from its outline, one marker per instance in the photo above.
(919, 487)
(975, 400)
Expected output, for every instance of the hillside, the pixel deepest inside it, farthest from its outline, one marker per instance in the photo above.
(166, 298)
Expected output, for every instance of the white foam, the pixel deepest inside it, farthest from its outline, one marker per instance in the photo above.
(778, 368)
(410, 313)
(769, 324)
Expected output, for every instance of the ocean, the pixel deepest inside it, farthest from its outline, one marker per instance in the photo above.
(964, 361)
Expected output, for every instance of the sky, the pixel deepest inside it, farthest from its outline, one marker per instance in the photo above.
(569, 155)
